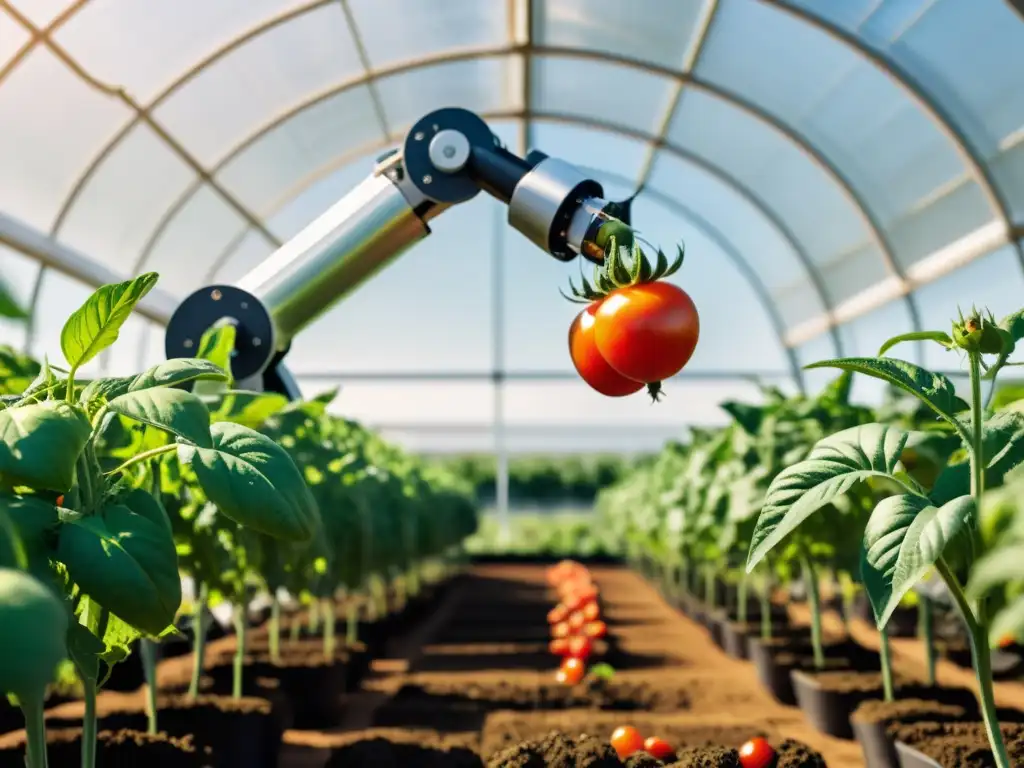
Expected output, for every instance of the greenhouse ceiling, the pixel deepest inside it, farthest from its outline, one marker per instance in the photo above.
(838, 171)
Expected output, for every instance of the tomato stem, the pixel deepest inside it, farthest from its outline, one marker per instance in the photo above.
(656, 392)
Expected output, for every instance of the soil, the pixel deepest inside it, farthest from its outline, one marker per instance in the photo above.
(905, 711)
(964, 745)
(114, 749)
(479, 691)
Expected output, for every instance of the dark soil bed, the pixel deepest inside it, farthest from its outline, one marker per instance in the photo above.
(963, 745)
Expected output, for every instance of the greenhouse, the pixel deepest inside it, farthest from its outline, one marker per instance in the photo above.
(511, 383)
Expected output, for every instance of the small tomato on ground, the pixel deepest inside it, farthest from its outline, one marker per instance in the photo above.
(580, 647)
(647, 332)
(561, 629)
(658, 748)
(757, 753)
(589, 364)
(558, 614)
(573, 671)
(626, 740)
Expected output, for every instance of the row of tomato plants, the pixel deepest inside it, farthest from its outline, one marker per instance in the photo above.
(114, 488)
(921, 492)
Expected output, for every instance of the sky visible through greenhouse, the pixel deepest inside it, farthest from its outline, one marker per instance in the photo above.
(838, 171)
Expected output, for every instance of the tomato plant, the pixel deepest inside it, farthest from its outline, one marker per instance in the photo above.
(626, 740)
(757, 753)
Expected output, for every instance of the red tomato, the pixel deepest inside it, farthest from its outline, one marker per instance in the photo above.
(591, 611)
(573, 670)
(580, 647)
(756, 753)
(1007, 640)
(595, 629)
(589, 364)
(577, 600)
(559, 646)
(626, 740)
(60, 501)
(658, 748)
(560, 630)
(647, 332)
(558, 614)
(576, 621)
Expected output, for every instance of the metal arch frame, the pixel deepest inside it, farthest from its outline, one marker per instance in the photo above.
(472, 54)
(969, 152)
(685, 212)
(701, 162)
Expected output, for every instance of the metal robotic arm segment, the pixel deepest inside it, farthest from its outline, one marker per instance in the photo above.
(448, 157)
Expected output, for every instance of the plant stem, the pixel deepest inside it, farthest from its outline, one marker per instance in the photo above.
(814, 601)
(144, 456)
(352, 627)
(742, 598)
(275, 628)
(766, 608)
(314, 617)
(982, 665)
(887, 686)
(977, 425)
(239, 666)
(709, 587)
(293, 630)
(35, 731)
(89, 723)
(329, 634)
(198, 641)
(927, 632)
(148, 650)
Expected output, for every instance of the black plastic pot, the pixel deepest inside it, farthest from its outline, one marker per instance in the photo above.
(911, 758)
(734, 641)
(878, 749)
(828, 711)
(714, 624)
(773, 676)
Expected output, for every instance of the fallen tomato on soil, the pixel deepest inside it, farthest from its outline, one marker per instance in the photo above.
(571, 672)
(757, 753)
(658, 748)
(626, 740)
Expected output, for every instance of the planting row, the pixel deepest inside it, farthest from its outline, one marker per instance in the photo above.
(915, 504)
(114, 488)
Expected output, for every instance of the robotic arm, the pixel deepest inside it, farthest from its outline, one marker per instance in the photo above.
(448, 157)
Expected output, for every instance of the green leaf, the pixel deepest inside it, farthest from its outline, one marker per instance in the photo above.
(254, 482)
(173, 410)
(934, 389)
(8, 306)
(250, 409)
(832, 468)
(936, 336)
(217, 346)
(1002, 437)
(31, 520)
(171, 373)
(1000, 566)
(903, 540)
(33, 623)
(104, 637)
(40, 443)
(85, 649)
(1009, 621)
(96, 324)
(749, 417)
(127, 563)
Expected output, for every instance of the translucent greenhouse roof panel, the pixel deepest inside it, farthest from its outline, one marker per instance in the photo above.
(827, 161)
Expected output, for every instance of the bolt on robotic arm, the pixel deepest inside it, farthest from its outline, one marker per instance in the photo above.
(448, 157)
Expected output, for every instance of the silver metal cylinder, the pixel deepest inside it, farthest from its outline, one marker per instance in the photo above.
(540, 197)
(583, 229)
(334, 255)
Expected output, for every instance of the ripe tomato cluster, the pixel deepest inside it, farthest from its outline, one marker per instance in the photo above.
(627, 741)
(575, 621)
(636, 330)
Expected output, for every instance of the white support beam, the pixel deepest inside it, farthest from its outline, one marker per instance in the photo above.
(157, 306)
